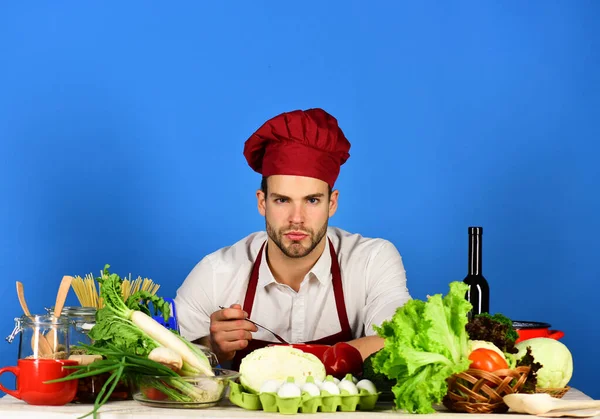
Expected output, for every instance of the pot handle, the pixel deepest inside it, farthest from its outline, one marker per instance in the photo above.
(555, 334)
(15, 393)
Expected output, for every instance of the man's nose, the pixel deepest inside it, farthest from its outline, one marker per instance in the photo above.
(297, 215)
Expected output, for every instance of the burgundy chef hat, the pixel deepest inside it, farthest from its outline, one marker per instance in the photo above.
(301, 143)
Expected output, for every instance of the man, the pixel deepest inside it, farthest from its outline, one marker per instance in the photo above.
(302, 279)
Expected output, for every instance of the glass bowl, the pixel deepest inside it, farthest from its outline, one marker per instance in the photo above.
(182, 392)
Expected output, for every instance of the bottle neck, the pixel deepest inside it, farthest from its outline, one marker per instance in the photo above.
(474, 254)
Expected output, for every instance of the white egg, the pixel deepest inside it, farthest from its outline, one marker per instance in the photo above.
(354, 379)
(366, 385)
(336, 381)
(330, 387)
(349, 386)
(311, 389)
(318, 383)
(270, 386)
(289, 390)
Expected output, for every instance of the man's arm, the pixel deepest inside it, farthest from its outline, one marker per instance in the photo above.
(367, 345)
(386, 285)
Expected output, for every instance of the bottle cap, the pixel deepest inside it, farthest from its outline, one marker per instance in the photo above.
(476, 231)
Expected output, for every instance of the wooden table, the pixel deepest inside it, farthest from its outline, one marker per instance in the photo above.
(14, 408)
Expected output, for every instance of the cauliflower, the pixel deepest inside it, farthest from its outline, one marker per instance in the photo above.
(556, 360)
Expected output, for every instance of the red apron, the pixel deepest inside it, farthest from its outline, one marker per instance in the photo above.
(342, 336)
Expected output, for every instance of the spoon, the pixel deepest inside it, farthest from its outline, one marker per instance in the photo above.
(279, 338)
(43, 345)
(539, 404)
(61, 296)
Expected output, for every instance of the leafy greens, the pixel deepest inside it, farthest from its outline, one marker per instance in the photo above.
(425, 343)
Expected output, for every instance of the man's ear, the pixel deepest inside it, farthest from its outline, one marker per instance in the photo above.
(333, 202)
(261, 202)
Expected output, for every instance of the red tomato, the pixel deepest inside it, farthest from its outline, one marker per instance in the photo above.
(487, 360)
(153, 394)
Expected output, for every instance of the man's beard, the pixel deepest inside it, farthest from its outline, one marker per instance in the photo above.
(296, 249)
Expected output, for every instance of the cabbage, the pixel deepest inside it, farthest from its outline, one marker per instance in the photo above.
(279, 363)
(556, 360)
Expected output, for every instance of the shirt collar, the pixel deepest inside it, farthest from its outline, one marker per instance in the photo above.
(321, 270)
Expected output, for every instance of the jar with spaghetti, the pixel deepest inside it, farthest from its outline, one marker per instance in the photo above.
(81, 321)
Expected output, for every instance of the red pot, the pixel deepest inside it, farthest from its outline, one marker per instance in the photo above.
(528, 330)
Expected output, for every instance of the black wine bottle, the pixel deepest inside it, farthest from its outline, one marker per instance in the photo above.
(479, 291)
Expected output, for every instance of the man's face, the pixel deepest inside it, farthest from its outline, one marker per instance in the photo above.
(296, 211)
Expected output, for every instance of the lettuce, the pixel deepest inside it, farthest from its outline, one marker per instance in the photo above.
(425, 343)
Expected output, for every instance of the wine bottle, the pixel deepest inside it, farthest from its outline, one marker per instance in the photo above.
(479, 291)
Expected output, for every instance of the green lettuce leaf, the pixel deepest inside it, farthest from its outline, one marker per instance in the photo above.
(425, 343)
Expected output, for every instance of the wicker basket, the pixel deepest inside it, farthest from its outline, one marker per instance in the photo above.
(554, 392)
(478, 391)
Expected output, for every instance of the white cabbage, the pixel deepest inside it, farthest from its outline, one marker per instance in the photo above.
(279, 363)
(556, 360)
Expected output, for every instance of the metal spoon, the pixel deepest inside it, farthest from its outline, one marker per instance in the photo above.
(539, 404)
(279, 338)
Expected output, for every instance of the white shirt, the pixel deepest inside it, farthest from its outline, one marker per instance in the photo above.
(373, 278)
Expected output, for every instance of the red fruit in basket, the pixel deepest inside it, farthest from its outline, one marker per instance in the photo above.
(487, 360)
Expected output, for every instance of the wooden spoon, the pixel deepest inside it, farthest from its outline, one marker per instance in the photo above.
(61, 297)
(539, 404)
(42, 343)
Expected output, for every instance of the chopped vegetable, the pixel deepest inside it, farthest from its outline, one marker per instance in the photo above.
(425, 343)
(496, 328)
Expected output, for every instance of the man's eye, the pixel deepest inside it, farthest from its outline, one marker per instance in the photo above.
(314, 200)
(280, 200)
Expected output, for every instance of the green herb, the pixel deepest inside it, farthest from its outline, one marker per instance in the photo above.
(425, 343)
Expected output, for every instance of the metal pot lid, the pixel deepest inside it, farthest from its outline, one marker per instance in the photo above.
(519, 324)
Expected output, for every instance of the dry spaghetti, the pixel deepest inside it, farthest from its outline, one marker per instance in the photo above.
(87, 289)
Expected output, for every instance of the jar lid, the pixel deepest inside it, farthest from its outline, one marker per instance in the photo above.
(46, 319)
(75, 311)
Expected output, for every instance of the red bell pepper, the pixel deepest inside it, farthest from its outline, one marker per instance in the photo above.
(342, 359)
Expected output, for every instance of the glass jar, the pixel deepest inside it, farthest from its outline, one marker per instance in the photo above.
(81, 319)
(41, 337)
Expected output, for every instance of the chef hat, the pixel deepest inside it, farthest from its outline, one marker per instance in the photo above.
(301, 143)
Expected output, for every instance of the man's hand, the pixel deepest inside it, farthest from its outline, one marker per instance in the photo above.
(229, 331)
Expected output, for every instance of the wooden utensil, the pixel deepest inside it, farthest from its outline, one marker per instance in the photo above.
(541, 403)
(61, 297)
(42, 343)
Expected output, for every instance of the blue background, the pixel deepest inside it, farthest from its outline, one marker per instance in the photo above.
(122, 126)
